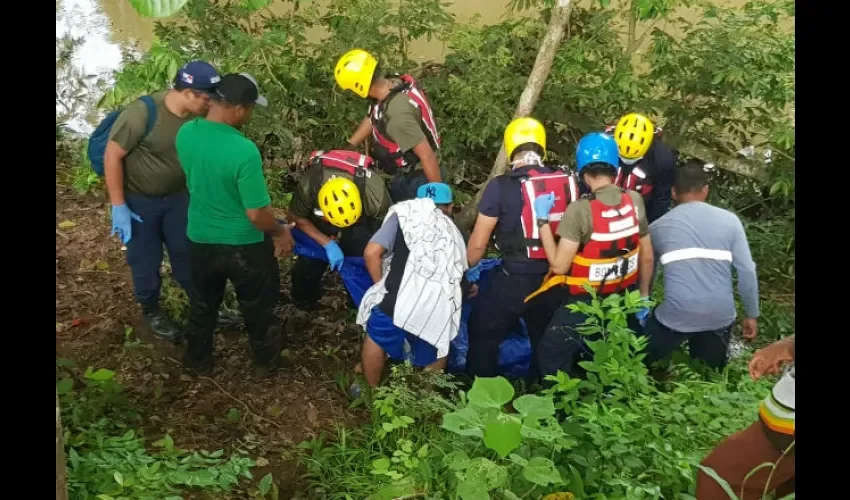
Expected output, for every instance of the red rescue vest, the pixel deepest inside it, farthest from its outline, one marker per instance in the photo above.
(536, 183)
(355, 164)
(609, 261)
(391, 150)
(636, 178)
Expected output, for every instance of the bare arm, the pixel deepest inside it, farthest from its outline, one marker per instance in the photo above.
(310, 230)
(646, 265)
(264, 220)
(372, 256)
(428, 159)
(363, 131)
(113, 169)
(549, 244)
(566, 252)
(480, 238)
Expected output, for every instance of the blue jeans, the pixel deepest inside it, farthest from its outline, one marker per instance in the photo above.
(710, 347)
(164, 220)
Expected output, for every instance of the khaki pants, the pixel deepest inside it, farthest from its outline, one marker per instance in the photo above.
(742, 452)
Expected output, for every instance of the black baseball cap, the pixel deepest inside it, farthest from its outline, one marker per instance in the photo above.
(240, 89)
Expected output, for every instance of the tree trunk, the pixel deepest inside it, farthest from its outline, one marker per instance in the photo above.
(61, 484)
(534, 86)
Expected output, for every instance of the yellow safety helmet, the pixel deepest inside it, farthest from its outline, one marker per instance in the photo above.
(633, 134)
(354, 71)
(522, 131)
(339, 201)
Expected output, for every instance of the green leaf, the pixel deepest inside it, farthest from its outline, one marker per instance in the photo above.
(158, 8)
(541, 471)
(503, 436)
(490, 392)
(534, 406)
(101, 375)
(65, 385)
(486, 472)
(233, 415)
(265, 484)
(456, 460)
(255, 4)
(119, 478)
(465, 422)
(722, 482)
(471, 490)
(381, 464)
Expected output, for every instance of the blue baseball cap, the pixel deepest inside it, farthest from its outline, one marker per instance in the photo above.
(197, 75)
(437, 191)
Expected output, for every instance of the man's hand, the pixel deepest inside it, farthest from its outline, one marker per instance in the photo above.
(335, 255)
(473, 291)
(770, 359)
(283, 241)
(543, 205)
(121, 225)
(750, 329)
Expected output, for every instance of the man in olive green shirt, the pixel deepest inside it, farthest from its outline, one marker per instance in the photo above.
(147, 187)
(598, 236)
(400, 122)
(232, 231)
(307, 273)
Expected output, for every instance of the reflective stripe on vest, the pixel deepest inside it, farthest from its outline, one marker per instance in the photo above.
(615, 229)
(564, 186)
(417, 99)
(340, 159)
(695, 253)
(635, 181)
(777, 410)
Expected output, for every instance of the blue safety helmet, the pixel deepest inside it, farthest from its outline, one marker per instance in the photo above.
(597, 148)
(437, 191)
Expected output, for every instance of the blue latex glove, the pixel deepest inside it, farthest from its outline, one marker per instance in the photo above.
(543, 205)
(473, 273)
(335, 256)
(121, 216)
(643, 314)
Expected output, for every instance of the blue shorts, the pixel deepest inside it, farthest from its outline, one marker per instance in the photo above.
(397, 343)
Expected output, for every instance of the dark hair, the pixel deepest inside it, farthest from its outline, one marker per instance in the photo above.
(528, 146)
(599, 169)
(691, 177)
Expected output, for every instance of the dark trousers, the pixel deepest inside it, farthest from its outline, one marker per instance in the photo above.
(254, 272)
(498, 309)
(404, 186)
(306, 274)
(711, 347)
(563, 346)
(164, 220)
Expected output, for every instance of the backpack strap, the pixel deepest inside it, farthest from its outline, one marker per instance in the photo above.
(151, 105)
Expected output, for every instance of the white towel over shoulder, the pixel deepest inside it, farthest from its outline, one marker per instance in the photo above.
(429, 297)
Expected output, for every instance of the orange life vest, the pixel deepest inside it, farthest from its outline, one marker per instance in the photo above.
(609, 261)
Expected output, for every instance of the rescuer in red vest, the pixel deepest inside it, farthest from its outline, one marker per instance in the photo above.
(647, 165)
(400, 121)
(604, 242)
(508, 213)
(340, 202)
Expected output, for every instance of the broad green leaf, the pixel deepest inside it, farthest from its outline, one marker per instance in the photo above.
(65, 385)
(456, 460)
(265, 484)
(233, 415)
(541, 471)
(119, 478)
(381, 464)
(255, 4)
(490, 392)
(486, 472)
(503, 436)
(158, 8)
(400, 489)
(471, 490)
(101, 375)
(465, 422)
(722, 482)
(530, 405)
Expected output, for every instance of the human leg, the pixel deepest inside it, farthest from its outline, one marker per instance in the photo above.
(661, 341)
(711, 347)
(372, 359)
(209, 277)
(562, 346)
(255, 274)
(306, 282)
(538, 313)
(736, 457)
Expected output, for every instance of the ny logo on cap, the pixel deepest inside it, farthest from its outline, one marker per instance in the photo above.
(431, 192)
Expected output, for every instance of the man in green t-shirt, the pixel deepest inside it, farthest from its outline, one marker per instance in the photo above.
(147, 187)
(338, 241)
(232, 231)
(401, 123)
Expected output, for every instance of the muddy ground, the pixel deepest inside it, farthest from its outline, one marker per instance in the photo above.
(95, 308)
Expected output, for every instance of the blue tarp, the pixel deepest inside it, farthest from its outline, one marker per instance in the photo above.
(515, 351)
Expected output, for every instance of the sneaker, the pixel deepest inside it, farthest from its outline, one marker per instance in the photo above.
(162, 326)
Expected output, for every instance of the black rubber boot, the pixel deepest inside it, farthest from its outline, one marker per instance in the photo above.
(161, 325)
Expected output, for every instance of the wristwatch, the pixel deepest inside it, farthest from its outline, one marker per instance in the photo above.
(542, 222)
